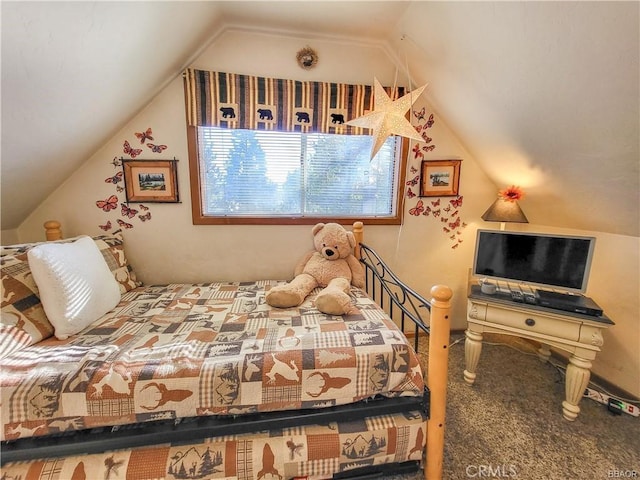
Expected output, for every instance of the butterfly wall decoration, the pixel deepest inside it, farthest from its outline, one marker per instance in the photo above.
(447, 211)
(132, 152)
(418, 209)
(124, 224)
(143, 136)
(110, 203)
(419, 114)
(115, 179)
(414, 181)
(126, 211)
(156, 148)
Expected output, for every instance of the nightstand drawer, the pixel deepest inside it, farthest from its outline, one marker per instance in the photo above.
(525, 321)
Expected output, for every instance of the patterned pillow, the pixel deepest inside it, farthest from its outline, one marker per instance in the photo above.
(11, 339)
(21, 306)
(112, 249)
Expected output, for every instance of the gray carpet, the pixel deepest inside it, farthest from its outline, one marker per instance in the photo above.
(510, 424)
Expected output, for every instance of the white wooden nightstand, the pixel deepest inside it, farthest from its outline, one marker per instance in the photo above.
(580, 335)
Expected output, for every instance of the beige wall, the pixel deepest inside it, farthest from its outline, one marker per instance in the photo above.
(170, 249)
(9, 237)
(615, 286)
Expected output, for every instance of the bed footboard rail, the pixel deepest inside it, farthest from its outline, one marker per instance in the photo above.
(437, 374)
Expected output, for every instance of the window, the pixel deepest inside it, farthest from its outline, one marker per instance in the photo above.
(269, 176)
(273, 150)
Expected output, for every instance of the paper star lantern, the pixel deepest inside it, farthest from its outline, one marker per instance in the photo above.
(388, 117)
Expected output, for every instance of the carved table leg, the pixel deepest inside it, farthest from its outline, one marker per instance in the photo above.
(472, 349)
(544, 353)
(578, 374)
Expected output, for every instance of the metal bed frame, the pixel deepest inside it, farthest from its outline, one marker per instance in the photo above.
(382, 283)
(384, 287)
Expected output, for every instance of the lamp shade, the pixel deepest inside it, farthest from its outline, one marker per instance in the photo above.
(505, 211)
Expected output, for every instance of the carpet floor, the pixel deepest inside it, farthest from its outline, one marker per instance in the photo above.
(509, 424)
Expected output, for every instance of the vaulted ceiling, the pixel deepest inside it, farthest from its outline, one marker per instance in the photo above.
(545, 95)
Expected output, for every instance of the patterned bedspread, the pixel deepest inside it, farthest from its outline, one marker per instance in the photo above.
(178, 351)
(313, 452)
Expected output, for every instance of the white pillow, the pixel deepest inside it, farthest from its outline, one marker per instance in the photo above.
(75, 283)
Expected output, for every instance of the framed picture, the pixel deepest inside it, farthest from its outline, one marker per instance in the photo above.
(151, 181)
(440, 178)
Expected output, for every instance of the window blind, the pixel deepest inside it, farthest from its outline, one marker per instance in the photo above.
(270, 173)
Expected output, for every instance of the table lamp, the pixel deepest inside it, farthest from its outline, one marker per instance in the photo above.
(506, 208)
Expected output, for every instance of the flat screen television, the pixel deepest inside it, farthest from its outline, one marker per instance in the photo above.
(558, 262)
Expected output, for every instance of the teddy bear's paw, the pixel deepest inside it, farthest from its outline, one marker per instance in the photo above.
(281, 298)
(333, 303)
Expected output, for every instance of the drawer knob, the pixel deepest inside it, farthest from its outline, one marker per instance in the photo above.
(530, 322)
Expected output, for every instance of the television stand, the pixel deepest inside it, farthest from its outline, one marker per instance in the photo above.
(580, 335)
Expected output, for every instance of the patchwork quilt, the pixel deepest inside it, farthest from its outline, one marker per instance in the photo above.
(175, 351)
(310, 452)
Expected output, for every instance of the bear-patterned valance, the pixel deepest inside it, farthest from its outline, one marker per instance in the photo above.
(230, 100)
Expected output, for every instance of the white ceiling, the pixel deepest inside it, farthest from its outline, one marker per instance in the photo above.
(543, 94)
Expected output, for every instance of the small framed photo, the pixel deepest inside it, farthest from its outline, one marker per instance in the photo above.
(151, 181)
(440, 178)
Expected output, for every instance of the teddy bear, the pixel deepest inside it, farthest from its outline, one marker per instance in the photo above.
(331, 265)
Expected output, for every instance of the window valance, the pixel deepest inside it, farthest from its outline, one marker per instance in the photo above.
(257, 103)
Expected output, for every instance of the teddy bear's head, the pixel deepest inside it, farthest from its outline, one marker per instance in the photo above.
(333, 241)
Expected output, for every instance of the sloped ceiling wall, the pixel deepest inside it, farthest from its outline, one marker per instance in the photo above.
(544, 94)
(73, 73)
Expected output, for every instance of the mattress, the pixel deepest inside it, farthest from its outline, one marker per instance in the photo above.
(178, 351)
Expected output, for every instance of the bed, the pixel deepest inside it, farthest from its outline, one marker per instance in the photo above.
(207, 381)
